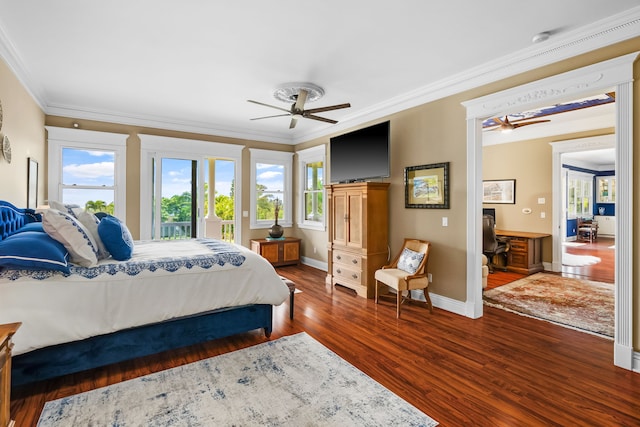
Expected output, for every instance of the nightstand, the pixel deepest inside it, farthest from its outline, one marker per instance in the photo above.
(278, 251)
(6, 332)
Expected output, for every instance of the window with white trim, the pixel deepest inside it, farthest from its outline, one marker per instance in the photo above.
(579, 194)
(88, 168)
(270, 186)
(311, 194)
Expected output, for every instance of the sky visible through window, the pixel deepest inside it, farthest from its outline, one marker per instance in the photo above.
(97, 169)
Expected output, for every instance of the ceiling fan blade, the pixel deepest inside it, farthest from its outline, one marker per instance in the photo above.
(302, 98)
(517, 125)
(267, 105)
(322, 119)
(269, 117)
(329, 108)
(293, 123)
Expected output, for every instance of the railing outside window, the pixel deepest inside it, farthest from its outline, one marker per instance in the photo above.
(182, 230)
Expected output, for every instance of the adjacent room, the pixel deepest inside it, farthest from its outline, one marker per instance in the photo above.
(342, 214)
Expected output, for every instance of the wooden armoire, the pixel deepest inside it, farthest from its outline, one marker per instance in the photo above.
(358, 234)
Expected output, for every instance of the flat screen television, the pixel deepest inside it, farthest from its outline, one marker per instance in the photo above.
(360, 155)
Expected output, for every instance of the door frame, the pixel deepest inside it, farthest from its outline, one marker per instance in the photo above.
(155, 147)
(589, 80)
(558, 196)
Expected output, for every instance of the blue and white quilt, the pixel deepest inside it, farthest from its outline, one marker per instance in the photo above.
(163, 280)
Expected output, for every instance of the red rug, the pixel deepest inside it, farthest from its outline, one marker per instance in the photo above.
(580, 304)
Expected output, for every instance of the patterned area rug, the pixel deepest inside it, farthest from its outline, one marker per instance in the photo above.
(580, 304)
(292, 381)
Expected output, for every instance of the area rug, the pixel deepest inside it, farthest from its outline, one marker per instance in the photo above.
(580, 304)
(573, 260)
(573, 244)
(292, 381)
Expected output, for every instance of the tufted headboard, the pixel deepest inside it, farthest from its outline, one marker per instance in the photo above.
(12, 218)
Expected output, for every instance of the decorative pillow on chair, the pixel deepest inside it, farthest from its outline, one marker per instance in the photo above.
(409, 261)
(73, 235)
(91, 222)
(116, 237)
(33, 250)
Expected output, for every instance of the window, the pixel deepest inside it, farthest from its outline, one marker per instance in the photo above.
(270, 184)
(579, 195)
(200, 172)
(311, 188)
(88, 168)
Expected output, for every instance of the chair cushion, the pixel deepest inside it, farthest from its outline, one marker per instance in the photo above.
(409, 260)
(395, 278)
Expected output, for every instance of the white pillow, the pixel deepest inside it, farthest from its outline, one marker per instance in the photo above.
(72, 210)
(73, 235)
(90, 221)
(410, 260)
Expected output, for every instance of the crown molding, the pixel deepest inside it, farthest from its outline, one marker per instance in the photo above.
(14, 61)
(599, 34)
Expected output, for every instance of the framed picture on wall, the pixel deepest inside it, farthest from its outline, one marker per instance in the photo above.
(427, 186)
(32, 183)
(499, 191)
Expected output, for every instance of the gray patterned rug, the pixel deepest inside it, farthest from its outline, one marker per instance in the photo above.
(293, 381)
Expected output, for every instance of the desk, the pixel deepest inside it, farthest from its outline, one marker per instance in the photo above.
(525, 254)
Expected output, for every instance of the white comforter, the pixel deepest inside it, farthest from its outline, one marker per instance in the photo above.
(163, 280)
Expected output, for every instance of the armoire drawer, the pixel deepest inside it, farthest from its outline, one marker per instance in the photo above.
(342, 273)
(345, 258)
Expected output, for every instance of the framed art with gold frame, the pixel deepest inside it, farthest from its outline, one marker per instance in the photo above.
(427, 186)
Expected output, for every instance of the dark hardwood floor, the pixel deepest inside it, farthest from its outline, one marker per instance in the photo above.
(604, 271)
(499, 370)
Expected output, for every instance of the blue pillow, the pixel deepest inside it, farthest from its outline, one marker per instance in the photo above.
(31, 226)
(33, 250)
(116, 237)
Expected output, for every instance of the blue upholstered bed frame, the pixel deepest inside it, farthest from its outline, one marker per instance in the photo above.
(77, 356)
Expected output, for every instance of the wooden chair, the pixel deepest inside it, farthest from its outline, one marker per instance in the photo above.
(587, 230)
(406, 272)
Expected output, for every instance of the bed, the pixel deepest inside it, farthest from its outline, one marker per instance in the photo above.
(167, 294)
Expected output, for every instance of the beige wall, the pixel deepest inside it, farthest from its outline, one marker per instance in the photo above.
(529, 163)
(23, 124)
(430, 133)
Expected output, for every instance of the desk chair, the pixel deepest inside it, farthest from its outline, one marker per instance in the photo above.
(491, 244)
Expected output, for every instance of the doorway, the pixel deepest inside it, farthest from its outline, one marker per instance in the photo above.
(617, 73)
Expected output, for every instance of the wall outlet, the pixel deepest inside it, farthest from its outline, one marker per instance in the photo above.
(314, 250)
(543, 215)
(245, 214)
(430, 277)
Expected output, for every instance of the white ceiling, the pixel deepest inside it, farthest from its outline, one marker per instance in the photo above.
(192, 65)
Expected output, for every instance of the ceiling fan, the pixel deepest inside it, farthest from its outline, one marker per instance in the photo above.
(507, 126)
(300, 94)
